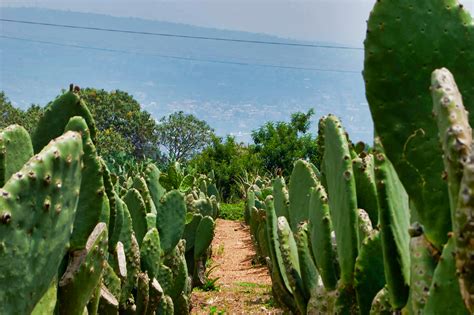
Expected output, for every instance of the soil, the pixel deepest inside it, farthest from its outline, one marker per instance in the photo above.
(244, 285)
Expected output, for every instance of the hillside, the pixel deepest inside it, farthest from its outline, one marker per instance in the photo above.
(232, 98)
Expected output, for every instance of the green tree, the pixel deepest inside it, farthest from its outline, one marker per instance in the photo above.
(280, 144)
(124, 128)
(183, 135)
(10, 115)
(229, 160)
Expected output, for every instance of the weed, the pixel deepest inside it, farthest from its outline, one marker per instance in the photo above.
(213, 310)
(211, 283)
(232, 211)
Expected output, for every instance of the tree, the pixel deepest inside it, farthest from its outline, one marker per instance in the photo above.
(183, 135)
(280, 144)
(122, 125)
(10, 115)
(230, 161)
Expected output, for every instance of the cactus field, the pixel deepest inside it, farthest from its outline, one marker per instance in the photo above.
(379, 228)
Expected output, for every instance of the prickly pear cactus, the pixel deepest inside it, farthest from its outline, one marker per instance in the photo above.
(171, 219)
(150, 253)
(301, 181)
(15, 150)
(341, 184)
(394, 219)
(56, 117)
(405, 41)
(137, 209)
(152, 179)
(91, 199)
(280, 195)
(38, 206)
(83, 273)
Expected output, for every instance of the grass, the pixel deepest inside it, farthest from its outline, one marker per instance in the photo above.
(232, 211)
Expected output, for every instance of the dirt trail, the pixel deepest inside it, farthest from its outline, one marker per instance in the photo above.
(244, 287)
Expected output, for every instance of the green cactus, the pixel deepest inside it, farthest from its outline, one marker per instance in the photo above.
(423, 259)
(394, 219)
(203, 206)
(38, 206)
(15, 150)
(108, 304)
(365, 225)
(57, 115)
(320, 228)
(301, 181)
(166, 306)
(142, 293)
(279, 278)
(444, 296)
(118, 261)
(280, 195)
(365, 186)
(309, 272)
(109, 191)
(47, 304)
(289, 253)
(83, 273)
(177, 264)
(140, 185)
(464, 234)
(381, 303)
(152, 179)
(189, 233)
(111, 280)
(369, 271)
(341, 183)
(150, 253)
(455, 133)
(91, 198)
(405, 41)
(171, 218)
(136, 207)
(156, 294)
(117, 224)
(204, 236)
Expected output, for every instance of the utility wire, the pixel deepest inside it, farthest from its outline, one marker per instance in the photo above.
(178, 57)
(181, 36)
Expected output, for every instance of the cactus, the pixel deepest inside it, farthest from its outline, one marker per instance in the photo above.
(91, 198)
(405, 41)
(280, 195)
(369, 271)
(280, 279)
(57, 115)
(423, 262)
(171, 217)
(340, 181)
(301, 182)
(152, 179)
(108, 304)
(142, 293)
(394, 223)
(166, 306)
(38, 205)
(365, 186)
(47, 304)
(320, 231)
(15, 150)
(444, 296)
(289, 253)
(309, 273)
(150, 253)
(177, 264)
(136, 207)
(381, 303)
(156, 294)
(117, 224)
(189, 233)
(111, 281)
(140, 185)
(83, 273)
(204, 235)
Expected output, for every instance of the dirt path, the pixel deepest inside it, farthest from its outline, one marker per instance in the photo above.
(244, 287)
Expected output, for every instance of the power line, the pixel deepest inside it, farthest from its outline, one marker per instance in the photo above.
(178, 57)
(223, 39)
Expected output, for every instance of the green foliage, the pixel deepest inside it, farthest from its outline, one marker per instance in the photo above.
(232, 211)
(280, 144)
(118, 112)
(183, 135)
(10, 115)
(229, 160)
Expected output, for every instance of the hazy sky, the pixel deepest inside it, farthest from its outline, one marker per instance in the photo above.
(340, 21)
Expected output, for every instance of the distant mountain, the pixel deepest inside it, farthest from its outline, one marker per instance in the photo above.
(233, 98)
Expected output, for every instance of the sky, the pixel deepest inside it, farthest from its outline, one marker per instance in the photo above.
(338, 21)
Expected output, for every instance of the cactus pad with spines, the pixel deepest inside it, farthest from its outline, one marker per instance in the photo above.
(57, 115)
(406, 40)
(204, 236)
(150, 253)
(280, 197)
(365, 186)
(83, 273)
(341, 184)
(171, 218)
(15, 150)
(38, 206)
(137, 209)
